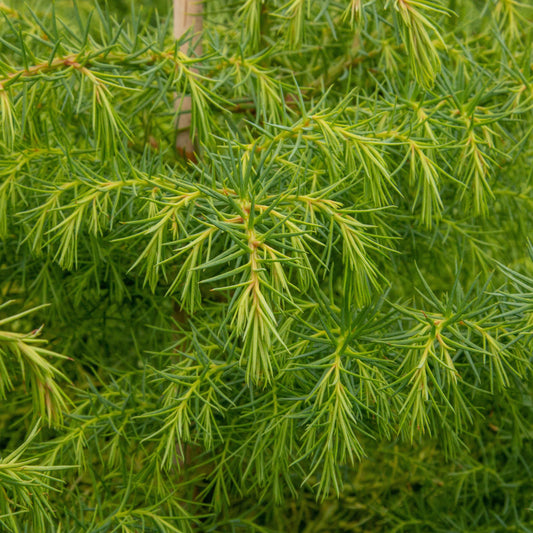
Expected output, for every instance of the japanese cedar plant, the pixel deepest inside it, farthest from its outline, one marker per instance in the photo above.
(321, 321)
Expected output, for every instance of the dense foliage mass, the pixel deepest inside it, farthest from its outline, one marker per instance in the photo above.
(322, 322)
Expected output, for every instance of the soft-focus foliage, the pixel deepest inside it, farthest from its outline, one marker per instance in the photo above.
(323, 323)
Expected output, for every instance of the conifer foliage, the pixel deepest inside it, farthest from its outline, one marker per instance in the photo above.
(321, 322)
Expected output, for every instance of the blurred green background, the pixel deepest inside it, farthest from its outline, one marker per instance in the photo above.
(119, 7)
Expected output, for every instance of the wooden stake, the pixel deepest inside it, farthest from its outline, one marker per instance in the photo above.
(187, 15)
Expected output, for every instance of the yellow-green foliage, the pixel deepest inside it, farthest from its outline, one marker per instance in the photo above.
(324, 323)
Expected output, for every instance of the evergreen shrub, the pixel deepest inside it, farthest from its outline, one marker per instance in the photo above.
(321, 321)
